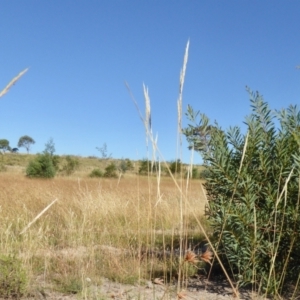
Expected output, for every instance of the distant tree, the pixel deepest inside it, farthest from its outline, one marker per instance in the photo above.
(104, 152)
(4, 145)
(26, 141)
(50, 147)
(14, 150)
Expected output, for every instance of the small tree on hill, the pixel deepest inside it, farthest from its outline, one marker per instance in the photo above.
(26, 141)
(4, 145)
(50, 147)
(104, 152)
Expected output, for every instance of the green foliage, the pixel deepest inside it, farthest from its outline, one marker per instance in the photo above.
(175, 166)
(26, 141)
(55, 162)
(50, 147)
(148, 167)
(126, 165)
(110, 170)
(195, 173)
(204, 174)
(4, 145)
(70, 166)
(41, 166)
(145, 167)
(13, 278)
(254, 207)
(104, 152)
(96, 173)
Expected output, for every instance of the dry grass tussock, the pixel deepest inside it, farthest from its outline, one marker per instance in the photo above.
(96, 228)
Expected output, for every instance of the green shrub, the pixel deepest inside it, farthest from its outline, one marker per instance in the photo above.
(175, 166)
(70, 166)
(55, 162)
(147, 167)
(13, 278)
(110, 171)
(253, 192)
(41, 166)
(126, 165)
(96, 173)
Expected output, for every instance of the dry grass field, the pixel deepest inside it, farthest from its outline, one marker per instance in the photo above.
(97, 228)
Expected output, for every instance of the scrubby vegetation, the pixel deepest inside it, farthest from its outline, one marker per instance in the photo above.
(13, 277)
(41, 166)
(253, 192)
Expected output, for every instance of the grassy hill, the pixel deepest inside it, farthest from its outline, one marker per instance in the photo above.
(17, 163)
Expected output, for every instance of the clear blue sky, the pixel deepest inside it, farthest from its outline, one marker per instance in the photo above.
(79, 54)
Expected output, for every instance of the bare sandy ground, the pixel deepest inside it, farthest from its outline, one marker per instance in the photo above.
(196, 289)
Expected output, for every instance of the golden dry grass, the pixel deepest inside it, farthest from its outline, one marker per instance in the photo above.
(98, 227)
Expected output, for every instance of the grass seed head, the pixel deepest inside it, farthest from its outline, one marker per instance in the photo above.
(207, 256)
(191, 257)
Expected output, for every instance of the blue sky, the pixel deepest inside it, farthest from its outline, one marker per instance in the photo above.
(79, 54)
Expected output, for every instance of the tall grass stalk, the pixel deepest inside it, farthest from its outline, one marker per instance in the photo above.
(179, 151)
(183, 201)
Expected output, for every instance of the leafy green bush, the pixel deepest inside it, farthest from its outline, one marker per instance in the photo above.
(55, 162)
(96, 173)
(147, 167)
(253, 192)
(41, 166)
(13, 278)
(110, 171)
(175, 166)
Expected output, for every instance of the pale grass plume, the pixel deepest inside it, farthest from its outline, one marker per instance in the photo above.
(181, 83)
(38, 216)
(12, 82)
(147, 110)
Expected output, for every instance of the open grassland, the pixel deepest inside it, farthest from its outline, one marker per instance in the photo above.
(96, 228)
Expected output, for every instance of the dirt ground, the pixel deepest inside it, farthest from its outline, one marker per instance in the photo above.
(197, 288)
